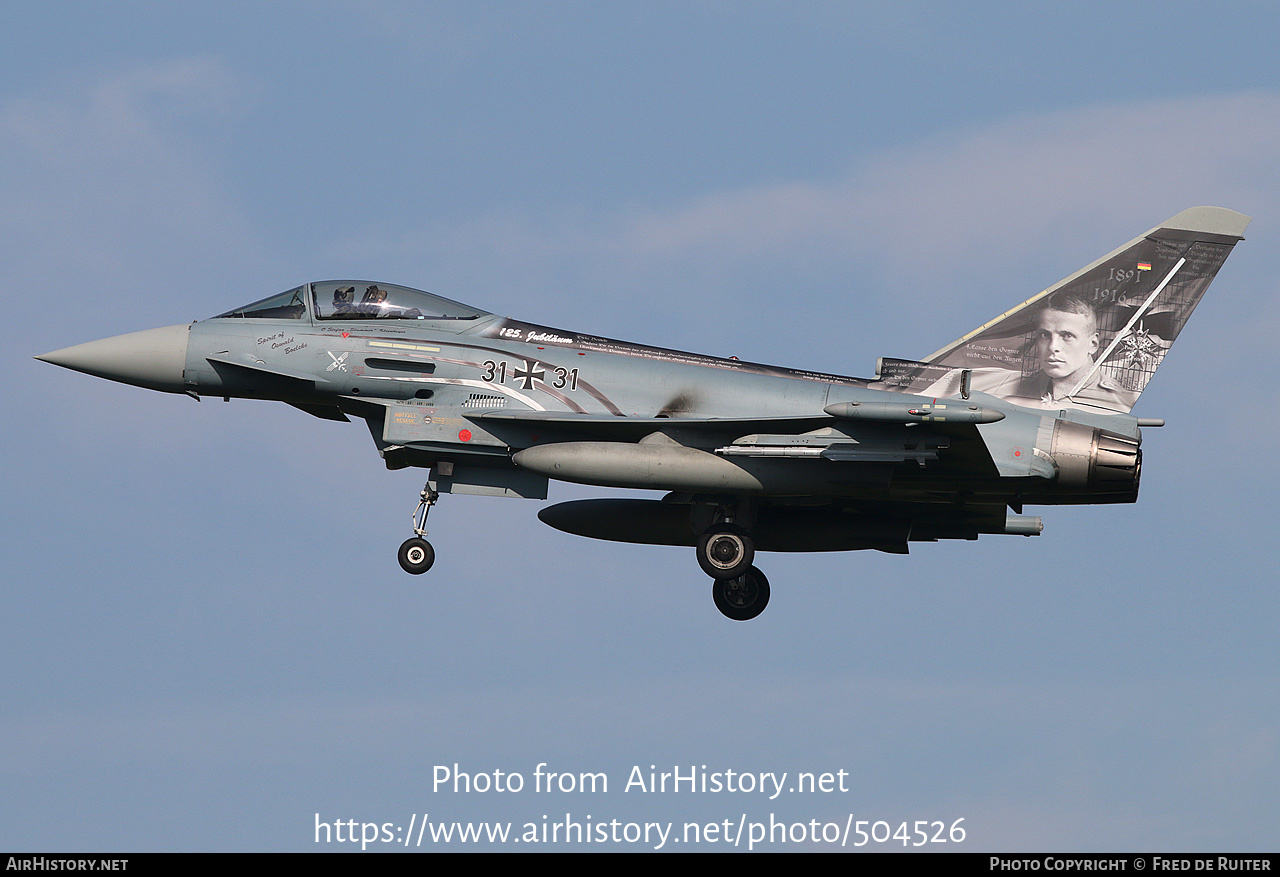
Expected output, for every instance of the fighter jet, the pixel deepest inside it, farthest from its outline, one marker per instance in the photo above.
(1031, 408)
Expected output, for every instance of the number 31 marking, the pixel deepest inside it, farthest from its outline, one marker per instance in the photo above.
(565, 376)
(497, 371)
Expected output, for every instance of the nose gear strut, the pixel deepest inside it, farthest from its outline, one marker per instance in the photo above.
(416, 555)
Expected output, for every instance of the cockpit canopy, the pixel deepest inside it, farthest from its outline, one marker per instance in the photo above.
(355, 300)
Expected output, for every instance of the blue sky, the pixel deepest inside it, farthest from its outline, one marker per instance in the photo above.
(209, 640)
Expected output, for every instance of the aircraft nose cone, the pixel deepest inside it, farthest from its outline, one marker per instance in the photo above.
(154, 358)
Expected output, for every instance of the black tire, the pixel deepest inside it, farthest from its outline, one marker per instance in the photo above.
(725, 551)
(743, 598)
(416, 556)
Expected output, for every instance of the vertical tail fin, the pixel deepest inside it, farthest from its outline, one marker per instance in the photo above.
(1094, 339)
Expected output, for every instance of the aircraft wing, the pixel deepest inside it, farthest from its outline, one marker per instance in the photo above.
(817, 437)
(614, 428)
(607, 426)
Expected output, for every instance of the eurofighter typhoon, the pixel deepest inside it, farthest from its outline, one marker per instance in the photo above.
(1031, 408)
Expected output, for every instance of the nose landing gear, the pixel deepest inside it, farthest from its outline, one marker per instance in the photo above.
(416, 555)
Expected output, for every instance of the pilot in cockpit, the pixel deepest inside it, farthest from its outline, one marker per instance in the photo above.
(344, 298)
(374, 302)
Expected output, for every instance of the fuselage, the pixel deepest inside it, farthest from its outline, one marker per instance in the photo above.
(1032, 407)
(439, 381)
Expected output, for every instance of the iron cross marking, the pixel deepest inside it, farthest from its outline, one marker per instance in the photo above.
(530, 374)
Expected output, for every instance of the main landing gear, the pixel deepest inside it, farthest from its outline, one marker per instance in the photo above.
(743, 598)
(725, 552)
(416, 555)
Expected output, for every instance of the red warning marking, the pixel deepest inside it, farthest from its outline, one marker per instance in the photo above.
(346, 334)
(464, 435)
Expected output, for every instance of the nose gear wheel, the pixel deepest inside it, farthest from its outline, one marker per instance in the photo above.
(416, 556)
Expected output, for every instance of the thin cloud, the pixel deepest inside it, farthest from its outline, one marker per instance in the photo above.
(984, 212)
(1017, 181)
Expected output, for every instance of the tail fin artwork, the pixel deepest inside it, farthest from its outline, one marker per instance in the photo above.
(1094, 339)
